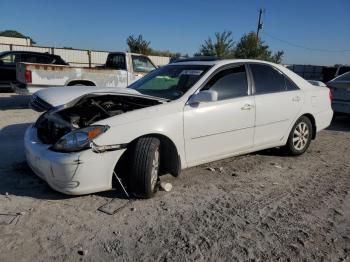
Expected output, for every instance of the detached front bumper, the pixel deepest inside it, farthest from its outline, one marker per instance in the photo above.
(70, 173)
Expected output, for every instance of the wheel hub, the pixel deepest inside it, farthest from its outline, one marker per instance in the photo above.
(300, 136)
(155, 168)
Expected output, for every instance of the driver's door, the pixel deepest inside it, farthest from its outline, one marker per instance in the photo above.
(214, 130)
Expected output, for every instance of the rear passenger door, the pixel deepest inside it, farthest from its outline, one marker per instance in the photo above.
(278, 101)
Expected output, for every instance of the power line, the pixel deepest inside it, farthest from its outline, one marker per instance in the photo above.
(305, 47)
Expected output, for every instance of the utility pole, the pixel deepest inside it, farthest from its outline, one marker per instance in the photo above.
(260, 23)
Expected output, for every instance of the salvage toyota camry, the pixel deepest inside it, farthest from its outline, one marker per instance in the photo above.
(180, 115)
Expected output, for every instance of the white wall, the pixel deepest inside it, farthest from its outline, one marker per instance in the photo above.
(76, 57)
(14, 40)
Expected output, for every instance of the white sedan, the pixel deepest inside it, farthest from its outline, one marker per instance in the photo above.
(181, 115)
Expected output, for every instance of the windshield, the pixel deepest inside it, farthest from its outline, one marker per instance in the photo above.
(171, 81)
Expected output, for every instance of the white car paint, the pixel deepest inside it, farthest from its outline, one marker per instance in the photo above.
(57, 96)
(317, 83)
(202, 133)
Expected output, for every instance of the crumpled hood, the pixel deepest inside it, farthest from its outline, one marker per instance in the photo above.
(57, 96)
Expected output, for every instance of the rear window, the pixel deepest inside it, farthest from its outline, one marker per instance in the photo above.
(116, 61)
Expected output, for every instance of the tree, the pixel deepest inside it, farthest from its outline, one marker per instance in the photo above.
(141, 46)
(222, 46)
(13, 33)
(138, 45)
(166, 53)
(250, 46)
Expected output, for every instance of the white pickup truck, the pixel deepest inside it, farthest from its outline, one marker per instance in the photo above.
(121, 69)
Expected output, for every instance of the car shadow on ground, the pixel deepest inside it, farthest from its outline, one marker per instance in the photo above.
(14, 102)
(340, 123)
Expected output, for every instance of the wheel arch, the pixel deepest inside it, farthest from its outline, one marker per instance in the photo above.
(170, 158)
(313, 122)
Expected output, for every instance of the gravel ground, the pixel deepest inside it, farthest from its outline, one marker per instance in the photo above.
(262, 206)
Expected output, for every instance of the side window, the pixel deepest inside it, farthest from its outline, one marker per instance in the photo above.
(267, 79)
(290, 86)
(229, 83)
(10, 59)
(34, 58)
(45, 59)
(116, 61)
(29, 58)
(142, 64)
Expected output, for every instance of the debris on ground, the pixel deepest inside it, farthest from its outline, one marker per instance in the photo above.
(114, 206)
(165, 186)
(7, 219)
(82, 251)
(275, 165)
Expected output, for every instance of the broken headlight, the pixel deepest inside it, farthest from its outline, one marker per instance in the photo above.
(79, 139)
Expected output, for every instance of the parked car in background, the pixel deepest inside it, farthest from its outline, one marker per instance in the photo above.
(120, 70)
(9, 59)
(180, 115)
(340, 87)
(330, 73)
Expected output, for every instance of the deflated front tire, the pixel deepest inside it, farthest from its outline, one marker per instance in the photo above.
(145, 167)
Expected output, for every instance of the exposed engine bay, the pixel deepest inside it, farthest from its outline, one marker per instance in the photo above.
(89, 109)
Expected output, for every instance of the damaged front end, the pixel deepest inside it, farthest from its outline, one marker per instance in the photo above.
(71, 128)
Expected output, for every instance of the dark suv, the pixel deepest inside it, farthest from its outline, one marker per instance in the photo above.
(9, 59)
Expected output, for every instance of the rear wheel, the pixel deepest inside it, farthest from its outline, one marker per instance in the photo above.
(145, 167)
(300, 137)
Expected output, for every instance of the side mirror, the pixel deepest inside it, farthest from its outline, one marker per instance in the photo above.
(204, 96)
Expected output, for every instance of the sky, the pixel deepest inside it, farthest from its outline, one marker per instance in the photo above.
(182, 26)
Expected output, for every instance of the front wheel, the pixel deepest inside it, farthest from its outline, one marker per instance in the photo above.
(300, 136)
(144, 174)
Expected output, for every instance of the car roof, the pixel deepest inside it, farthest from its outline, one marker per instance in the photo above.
(220, 62)
(25, 52)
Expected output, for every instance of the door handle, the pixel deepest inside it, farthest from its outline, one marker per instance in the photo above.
(247, 107)
(296, 99)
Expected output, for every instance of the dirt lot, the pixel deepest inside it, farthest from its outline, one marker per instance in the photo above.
(262, 206)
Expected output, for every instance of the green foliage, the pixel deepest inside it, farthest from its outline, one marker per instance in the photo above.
(222, 46)
(138, 45)
(141, 46)
(251, 47)
(13, 33)
(165, 53)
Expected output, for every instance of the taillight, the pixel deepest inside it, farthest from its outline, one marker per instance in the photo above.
(330, 94)
(28, 76)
